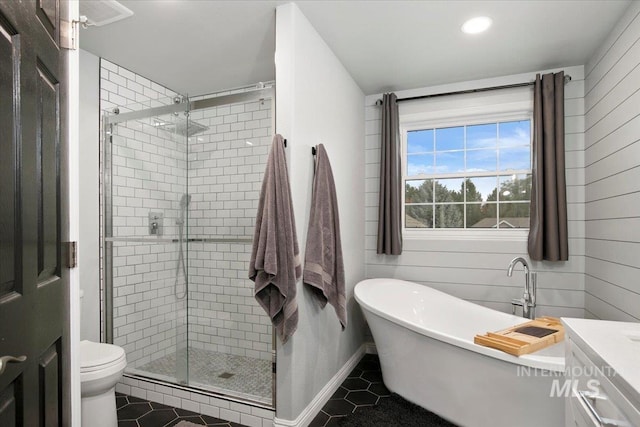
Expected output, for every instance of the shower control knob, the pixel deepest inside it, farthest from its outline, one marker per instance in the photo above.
(155, 223)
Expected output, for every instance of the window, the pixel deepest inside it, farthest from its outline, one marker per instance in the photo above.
(473, 174)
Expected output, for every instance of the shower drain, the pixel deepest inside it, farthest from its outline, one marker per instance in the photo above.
(226, 375)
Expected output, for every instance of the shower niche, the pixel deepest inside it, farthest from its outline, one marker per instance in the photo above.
(180, 181)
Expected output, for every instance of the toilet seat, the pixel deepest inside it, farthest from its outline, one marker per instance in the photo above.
(101, 367)
(100, 356)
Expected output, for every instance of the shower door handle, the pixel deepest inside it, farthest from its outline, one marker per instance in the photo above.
(4, 360)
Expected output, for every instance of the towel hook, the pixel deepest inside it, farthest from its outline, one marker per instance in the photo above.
(313, 151)
(285, 143)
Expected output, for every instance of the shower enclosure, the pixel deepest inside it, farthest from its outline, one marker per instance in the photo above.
(181, 182)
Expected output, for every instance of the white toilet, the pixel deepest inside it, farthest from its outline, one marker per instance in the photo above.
(101, 367)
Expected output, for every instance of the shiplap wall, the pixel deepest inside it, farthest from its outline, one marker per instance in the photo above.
(612, 174)
(476, 270)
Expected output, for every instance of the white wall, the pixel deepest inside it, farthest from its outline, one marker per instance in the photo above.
(612, 121)
(318, 102)
(89, 186)
(476, 270)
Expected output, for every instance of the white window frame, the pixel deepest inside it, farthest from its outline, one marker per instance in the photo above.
(452, 115)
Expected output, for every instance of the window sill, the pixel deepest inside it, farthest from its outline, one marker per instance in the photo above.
(519, 235)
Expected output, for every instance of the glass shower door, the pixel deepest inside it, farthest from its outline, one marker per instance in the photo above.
(181, 183)
(146, 212)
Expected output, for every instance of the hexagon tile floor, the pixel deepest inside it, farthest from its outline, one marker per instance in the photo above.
(363, 387)
(134, 412)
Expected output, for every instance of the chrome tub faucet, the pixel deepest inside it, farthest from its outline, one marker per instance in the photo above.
(528, 300)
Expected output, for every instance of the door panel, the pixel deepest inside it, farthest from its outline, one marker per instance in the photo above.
(9, 226)
(50, 391)
(33, 207)
(48, 14)
(47, 132)
(9, 397)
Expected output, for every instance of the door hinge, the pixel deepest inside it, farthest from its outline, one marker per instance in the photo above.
(72, 254)
(69, 32)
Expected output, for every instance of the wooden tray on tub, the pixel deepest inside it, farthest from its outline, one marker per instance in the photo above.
(524, 338)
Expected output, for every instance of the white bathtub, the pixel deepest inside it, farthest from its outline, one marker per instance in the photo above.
(424, 339)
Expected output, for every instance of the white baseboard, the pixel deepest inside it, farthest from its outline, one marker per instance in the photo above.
(314, 407)
(370, 348)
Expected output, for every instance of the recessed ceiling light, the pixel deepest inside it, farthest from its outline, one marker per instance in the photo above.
(476, 25)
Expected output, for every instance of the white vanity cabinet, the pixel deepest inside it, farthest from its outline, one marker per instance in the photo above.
(603, 368)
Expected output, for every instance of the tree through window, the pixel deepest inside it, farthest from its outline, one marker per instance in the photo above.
(470, 176)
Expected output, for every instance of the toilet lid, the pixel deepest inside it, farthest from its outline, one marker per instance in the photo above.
(93, 354)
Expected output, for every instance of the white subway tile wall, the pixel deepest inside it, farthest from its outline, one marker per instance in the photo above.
(221, 168)
(149, 321)
(226, 164)
(148, 175)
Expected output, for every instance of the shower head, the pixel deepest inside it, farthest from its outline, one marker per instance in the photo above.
(185, 200)
(180, 126)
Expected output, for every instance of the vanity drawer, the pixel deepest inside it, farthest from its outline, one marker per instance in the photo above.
(594, 399)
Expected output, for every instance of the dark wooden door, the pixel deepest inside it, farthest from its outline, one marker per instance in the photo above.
(33, 212)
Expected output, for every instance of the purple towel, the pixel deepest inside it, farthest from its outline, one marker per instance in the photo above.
(323, 264)
(275, 258)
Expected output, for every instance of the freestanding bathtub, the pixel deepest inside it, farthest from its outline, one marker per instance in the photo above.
(424, 339)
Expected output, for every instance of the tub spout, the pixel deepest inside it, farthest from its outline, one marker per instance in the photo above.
(528, 301)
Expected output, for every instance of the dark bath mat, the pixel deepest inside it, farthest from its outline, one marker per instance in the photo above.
(394, 411)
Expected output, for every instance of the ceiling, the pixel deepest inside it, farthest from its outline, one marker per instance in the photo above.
(199, 46)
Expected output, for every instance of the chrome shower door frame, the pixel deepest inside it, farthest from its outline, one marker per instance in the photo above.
(110, 122)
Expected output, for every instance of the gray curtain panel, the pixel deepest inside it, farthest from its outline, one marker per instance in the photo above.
(389, 207)
(548, 237)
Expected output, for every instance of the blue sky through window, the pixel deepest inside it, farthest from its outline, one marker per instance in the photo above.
(489, 147)
(450, 138)
(514, 133)
(482, 160)
(420, 141)
(514, 158)
(482, 136)
(485, 185)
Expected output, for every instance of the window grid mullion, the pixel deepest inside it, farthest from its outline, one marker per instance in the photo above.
(464, 182)
(498, 152)
(465, 175)
(434, 163)
(433, 183)
(479, 174)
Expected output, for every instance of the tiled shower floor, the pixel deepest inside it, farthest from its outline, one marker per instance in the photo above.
(239, 376)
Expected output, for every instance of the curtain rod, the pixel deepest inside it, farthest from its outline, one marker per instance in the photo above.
(567, 79)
